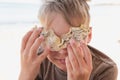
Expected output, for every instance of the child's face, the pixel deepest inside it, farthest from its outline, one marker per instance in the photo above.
(60, 27)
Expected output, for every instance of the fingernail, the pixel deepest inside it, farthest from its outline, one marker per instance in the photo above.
(41, 37)
(35, 27)
(40, 28)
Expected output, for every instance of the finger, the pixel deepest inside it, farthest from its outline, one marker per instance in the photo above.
(78, 52)
(25, 40)
(35, 46)
(42, 56)
(87, 54)
(76, 49)
(32, 38)
(68, 65)
(72, 58)
(82, 61)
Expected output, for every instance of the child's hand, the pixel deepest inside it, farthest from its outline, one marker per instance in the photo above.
(78, 62)
(30, 61)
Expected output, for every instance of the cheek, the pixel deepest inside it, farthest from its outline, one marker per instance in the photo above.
(61, 30)
(51, 57)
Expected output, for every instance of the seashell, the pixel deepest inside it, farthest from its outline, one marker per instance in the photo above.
(57, 43)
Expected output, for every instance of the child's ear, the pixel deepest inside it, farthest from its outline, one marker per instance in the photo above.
(89, 37)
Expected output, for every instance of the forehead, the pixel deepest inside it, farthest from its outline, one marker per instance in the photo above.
(59, 25)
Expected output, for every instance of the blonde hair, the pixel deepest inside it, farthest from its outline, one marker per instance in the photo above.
(69, 9)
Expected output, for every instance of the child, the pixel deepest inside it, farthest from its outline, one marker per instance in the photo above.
(64, 53)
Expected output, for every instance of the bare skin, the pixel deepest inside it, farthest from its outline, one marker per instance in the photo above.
(78, 62)
(76, 59)
(30, 61)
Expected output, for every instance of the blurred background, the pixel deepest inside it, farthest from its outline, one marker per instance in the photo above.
(19, 16)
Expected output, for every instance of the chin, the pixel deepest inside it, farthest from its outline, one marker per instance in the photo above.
(63, 68)
(59, 62)
(61, 65)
